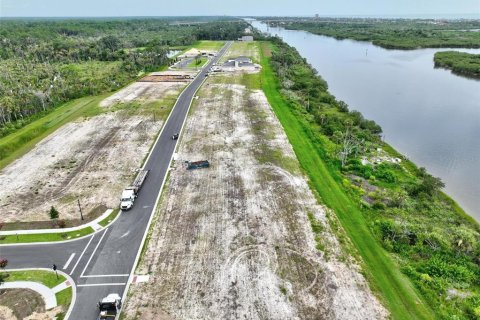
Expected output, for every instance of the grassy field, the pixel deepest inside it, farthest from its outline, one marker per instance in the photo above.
(208, 45)
(45, 237)
(20, 142)
(198, 64)
(241, 48)
(384, 276)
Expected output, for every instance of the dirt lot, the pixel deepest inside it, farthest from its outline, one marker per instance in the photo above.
(23, 304)
(233, 241)
(91, 159)
(144, 91)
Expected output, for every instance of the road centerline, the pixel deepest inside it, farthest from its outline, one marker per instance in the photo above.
(94, 250)
(81, 255)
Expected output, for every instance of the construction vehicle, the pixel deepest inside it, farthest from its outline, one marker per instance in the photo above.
(109, 306)
(197, 164)
(131, 192)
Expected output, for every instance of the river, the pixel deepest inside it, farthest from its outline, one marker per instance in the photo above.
(430, 115)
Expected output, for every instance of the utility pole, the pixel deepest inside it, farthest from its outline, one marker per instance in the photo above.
(80, 207)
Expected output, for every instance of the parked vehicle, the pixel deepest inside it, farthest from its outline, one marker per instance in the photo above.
(131, 192)
(110, 306)
(197, 164)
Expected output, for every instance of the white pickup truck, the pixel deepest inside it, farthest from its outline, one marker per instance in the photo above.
(131, 192)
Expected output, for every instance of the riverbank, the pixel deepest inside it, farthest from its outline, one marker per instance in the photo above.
(405, 34)
(393, 212)
(460, 63)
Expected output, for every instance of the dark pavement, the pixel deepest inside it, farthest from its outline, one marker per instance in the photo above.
(103, 262)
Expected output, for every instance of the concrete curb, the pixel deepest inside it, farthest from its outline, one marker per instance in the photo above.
(74, 287)
(62, 241)
(92, 224)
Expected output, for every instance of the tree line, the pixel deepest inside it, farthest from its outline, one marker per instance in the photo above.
(48, 62)
(436, 245)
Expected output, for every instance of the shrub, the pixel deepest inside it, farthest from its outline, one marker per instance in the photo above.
(53, 213)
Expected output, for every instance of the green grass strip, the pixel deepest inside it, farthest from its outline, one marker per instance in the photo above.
(45, 237)
(47, 278)
(110, 218)
(396, 291)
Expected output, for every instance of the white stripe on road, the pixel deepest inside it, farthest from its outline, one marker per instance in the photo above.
(83, 252)
(68, 261)
(101, 284)
(105, 275)
(93, 253)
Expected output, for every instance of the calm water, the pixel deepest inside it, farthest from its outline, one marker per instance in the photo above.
(428, 114)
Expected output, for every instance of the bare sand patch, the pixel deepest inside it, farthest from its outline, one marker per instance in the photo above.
(90, 159)
(143, 92)
(233, 241)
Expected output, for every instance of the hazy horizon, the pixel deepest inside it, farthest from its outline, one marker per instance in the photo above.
(468, 9)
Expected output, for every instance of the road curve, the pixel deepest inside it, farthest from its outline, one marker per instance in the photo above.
(101, 264)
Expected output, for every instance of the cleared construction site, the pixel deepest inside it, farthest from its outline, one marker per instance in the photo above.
(234, 240)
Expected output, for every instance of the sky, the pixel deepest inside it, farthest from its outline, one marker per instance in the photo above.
(107, 8)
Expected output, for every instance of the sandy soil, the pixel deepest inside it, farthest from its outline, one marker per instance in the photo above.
(233, 241)
(24, 304)
(143, 91)
(91, 160)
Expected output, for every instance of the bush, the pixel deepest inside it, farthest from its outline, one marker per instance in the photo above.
(53, 213)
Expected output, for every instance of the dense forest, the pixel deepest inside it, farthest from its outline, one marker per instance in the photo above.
(460, 63)
(392, 33)
(44, 63)
(428, 236)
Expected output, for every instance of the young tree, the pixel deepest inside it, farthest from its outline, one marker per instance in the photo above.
(3, 275)
(53, 213)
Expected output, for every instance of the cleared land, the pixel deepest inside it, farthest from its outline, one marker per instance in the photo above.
(90, 159)
(234, 241)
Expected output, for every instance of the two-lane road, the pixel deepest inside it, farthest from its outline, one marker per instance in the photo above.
(102, 263)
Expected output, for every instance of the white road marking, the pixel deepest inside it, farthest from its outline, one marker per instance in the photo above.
(68, 261)
(125, 234)
(94, 250)
(101, 284)
(80, 258)
(105, 275)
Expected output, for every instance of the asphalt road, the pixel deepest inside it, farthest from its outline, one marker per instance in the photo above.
(102, 263)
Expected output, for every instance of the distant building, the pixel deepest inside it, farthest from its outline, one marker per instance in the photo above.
(246, 38)
(316, 16)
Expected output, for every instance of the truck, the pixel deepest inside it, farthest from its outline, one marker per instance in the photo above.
(110, 306)
(197, 164)
(131, 192)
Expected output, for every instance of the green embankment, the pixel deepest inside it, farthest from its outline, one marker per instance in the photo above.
(20, 142)
(395, 290)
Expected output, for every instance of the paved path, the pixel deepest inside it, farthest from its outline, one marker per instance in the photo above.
(47, 294)
(103, 262)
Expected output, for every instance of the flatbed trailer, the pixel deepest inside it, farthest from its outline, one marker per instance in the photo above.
(140, 179)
